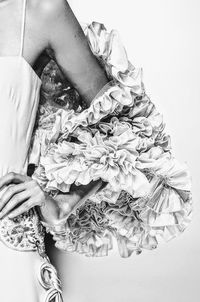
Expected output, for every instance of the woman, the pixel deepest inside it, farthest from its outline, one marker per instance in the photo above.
(137, 163)
(42, 24)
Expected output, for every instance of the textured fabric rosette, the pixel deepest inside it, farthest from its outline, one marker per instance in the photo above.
(120, 139)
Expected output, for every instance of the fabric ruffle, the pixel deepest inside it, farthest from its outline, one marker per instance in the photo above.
(120, 139)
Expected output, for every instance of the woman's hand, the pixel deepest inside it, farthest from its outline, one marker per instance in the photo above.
(21, 194)
(64, 204)
(59, 207)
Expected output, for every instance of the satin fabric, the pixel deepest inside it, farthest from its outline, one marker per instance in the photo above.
(19, 98)
(120, 138)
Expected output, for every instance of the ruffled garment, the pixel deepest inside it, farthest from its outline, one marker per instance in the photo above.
(120, 139)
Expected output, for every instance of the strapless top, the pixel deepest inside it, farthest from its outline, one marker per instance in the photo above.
(19, 99)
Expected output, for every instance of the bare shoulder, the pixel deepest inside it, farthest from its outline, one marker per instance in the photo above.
(48, 14)
(60, 21)
(51, 9)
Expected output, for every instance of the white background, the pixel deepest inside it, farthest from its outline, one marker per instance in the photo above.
(162, 36)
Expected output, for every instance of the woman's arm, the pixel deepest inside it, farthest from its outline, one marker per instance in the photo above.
(23, 193)
(75, 59)
(71, 50)
(72, 53)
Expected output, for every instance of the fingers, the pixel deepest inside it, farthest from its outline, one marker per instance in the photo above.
(9, 192)
(16, 200)
(12, 177)
(22, 208)
(19, 198)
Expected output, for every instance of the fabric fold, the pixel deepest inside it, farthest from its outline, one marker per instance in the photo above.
(120, 139)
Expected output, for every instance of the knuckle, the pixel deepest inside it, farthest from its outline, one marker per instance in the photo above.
(35, 183)
(28, 184)
(32, 183)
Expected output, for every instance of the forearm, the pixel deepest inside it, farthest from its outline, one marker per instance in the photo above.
(69, 202)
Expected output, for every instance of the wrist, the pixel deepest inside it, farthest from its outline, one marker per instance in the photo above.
(55, 211)
(49, 210)
(58, 228)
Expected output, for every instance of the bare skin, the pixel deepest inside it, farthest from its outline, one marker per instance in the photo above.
(51, 29)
